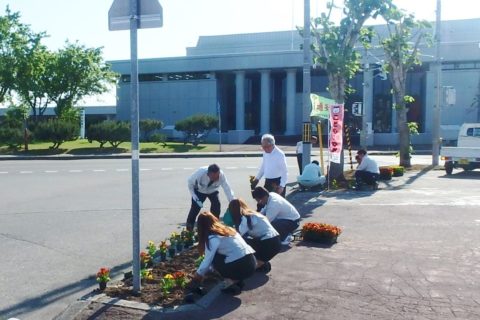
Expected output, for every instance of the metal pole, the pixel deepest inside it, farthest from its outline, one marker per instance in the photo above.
(438, 86)
(219, 127)
(363, 132)
(306, 146)
(135, 153)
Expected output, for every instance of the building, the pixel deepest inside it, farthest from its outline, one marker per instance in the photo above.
(254, 81)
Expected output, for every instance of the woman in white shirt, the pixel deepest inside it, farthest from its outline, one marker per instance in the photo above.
(225, 250)
(258, 232)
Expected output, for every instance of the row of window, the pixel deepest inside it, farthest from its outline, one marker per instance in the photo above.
(149, 77)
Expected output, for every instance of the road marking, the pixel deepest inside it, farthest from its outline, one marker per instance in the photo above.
(166, 169)
(252, 167)
(26, 172)
(145, 169)
(233, 168)
(3, 172)
(99, 170)
(51, 171)
(187, 168)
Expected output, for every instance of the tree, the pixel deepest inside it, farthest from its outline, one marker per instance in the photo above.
(16, 40)
(401, 47)
(112, 131)
(196, 126)
(334, 49)
(75, 72)
(148, 127)
(56, 131)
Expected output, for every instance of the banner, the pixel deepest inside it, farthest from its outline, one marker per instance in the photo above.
(320, 106)
(335, 144)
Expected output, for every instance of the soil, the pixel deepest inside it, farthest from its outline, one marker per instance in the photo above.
(151, 291)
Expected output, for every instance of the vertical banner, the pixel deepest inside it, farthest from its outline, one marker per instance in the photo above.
(336, 133)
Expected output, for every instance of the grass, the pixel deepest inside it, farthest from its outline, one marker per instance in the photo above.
(83, 147)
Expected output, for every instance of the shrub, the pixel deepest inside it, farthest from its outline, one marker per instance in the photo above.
(111, 131)
(196, 126)
(148, 127)
(56, 131)
(159, 138)
(11, 137)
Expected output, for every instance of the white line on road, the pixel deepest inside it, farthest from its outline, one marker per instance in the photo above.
(231, 168)
(3, 172)
(187, 168)
(51, 171)
(145, 169)
(26, 172)
(99, 170)
(121, 170)
(252, 167)
(166, 169)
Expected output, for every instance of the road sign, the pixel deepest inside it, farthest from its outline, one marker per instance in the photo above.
(357, 109)
(150, 15)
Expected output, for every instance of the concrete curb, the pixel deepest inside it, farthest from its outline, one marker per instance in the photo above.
(77, 307)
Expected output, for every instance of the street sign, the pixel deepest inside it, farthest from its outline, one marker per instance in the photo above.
(150, 15)
(357, 109)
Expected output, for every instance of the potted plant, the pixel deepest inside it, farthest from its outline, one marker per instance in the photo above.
(145, 259)
(180, 279)
(187, 237)
(398, 171)
(167, 283)
(151, 248)
(162, 248)
(385, 173)
(320, 232)
(103, 276)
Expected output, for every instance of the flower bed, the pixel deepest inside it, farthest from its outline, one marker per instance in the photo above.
(385, 173)
(167, 283)
(320, 232)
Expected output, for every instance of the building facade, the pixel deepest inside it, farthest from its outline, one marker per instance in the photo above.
(254, 83)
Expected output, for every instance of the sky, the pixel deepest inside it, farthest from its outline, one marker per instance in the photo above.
(86, 21)
(185, 20)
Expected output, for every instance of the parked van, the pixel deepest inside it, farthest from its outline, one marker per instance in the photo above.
(466, 154)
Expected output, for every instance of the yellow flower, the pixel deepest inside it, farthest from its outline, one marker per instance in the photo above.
(168, 276)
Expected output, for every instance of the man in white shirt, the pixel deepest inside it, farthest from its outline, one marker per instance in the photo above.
(202, 184)
(367, 171)
(283, 216)
(311, 176)
(273, 168)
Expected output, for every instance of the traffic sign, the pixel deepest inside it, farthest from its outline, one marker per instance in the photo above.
(150, 15)
(357, 109)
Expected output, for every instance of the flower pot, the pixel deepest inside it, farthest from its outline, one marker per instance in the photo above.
(102, 285)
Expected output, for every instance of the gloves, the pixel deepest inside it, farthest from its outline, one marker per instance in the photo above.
(197, 201)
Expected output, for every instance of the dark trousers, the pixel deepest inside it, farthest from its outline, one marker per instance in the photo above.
(299, 161)
(365, 177)
(195, 209)
(236, 270)
(270, 185)
(284, 227)
(266, 249)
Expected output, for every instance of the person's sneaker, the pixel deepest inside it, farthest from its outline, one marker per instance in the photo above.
(266, 267)
(287, 240)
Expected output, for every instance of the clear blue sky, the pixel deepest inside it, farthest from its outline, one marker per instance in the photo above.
(185, 20)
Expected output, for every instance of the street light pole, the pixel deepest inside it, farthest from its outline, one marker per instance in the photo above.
(135, 143)
(306, 136)
(438, 88)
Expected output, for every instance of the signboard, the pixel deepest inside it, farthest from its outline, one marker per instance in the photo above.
(336, 132)
(357, 109)
(150, 14)
(320, 106)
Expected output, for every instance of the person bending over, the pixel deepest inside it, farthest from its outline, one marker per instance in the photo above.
(367, 171)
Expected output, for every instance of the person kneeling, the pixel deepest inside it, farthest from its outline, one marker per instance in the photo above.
(226, 251)
(367, 171)
(257, 231)
(311, 176)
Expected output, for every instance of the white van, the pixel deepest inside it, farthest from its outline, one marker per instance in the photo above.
(466, 154)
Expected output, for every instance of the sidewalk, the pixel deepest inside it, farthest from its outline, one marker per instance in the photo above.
(388, 263)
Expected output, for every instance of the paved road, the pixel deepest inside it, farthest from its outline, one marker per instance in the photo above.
(62, 220)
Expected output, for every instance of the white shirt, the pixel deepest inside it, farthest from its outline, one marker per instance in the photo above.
(311, 172)
(368, 164)
(233, 248)
(261, 227)
(199, 180)
(274, 165)
(278, 207)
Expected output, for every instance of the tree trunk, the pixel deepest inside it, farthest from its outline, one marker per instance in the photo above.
(404, 134)
(337, 91)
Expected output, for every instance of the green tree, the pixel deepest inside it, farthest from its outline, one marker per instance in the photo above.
(16, 41)
(196, 126)
(12, 129)
(334, 48)
(75, 72)
(111, 131)
(401, 47)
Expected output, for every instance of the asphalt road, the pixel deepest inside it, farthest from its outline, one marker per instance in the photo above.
(62, 220)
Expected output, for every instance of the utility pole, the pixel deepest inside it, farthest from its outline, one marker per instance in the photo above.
(307, 133)
(438, 88)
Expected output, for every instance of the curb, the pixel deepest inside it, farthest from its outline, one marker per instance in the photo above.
(77, 307)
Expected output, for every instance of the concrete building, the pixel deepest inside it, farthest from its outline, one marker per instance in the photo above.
(254, 81)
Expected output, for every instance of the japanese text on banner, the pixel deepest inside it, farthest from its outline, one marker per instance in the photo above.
(336, 132)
